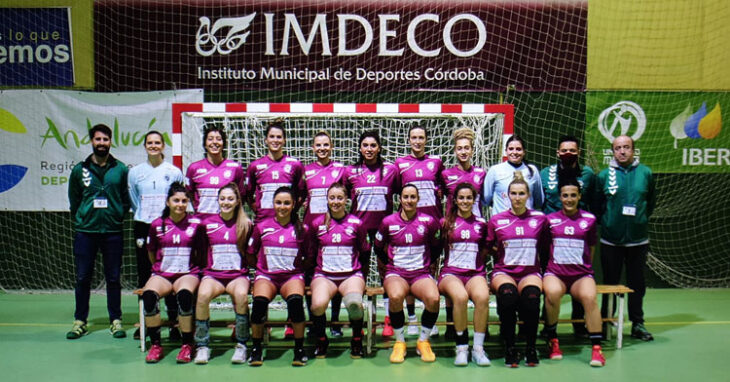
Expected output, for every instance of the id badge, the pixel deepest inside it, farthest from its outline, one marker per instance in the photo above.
(100, 203)
(629, 210)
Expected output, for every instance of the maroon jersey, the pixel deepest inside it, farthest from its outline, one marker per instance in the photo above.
(317, 180)
(371, 192)
(409, 242)
(464, 248)
(518, 239)
(173, 245)
(340, 246)
(572, 239)
(425, 174)
(264, 176)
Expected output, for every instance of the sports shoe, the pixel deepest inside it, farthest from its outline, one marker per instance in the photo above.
(185, 354)
(202, 354)
(511, 357)
(116, 329)
(154, 355)
(413, 327)
(479, 356)
(597, 359)
(300, 359)
(450, 333)
(423, 348)
(320, 350)
(174, 334)
(256, 356)
(288, 333)
(336, 331)
(398, 355)
(639, 331)
(554, 349)
(435, 331)
(387, 328)
(78, 329)
(531, 358)
(239, 354)
(462, 355)
(356, 348)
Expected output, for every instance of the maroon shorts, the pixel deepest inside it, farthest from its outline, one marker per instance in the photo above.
(569, 280)
(225, 281)
(464, 278)
(278, 279)
(338, 279)
(516, 276)
(410, 278)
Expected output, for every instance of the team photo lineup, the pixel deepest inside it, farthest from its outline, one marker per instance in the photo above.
(510, 230)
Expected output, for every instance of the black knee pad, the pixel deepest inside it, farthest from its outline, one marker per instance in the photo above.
(507, 297)
(295, 308)
(259, 309)
(530, 300)
(149, 300)
(184, 302)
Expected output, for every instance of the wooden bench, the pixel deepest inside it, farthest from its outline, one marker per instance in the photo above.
(619, 290)
(371, 321)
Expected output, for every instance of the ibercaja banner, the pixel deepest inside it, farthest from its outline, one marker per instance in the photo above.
(340, 45)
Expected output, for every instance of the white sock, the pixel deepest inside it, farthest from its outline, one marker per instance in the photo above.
(386, 305)
(479, 339)
(412, 318)
(398, 333)
(425, 333)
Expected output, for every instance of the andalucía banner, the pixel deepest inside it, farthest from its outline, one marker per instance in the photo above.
(673, 132)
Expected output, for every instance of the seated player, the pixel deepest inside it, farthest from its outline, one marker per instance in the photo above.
(407, 243)
(224, 238)
(516, 234)
(569, 268)
(279, 245)
(464, 274)
(340, 242)
(170, 245)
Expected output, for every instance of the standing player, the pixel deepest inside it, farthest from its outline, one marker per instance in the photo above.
(171, 244)
(98, 199)
(625, 199)
(568, 167)
(223, 237)
(318, 177)
(517, 233)
(370, 182)
(499, 176)
(463, 171)
(407, 243)
(270, 172)
(341, 246)
(464, 274)
(148, 184)
(573, 233)
(205, 177)
(424, 172)
(280, 247)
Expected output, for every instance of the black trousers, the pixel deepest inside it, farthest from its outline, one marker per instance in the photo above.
(144, 267)
(613, 259)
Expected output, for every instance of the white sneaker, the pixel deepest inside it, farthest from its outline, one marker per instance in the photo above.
(479, 356)
(462, 355)
(202, 354)
(239, 354)
(413, 327)
(435, 331)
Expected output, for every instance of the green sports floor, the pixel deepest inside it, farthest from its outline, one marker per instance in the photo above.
(691, 330)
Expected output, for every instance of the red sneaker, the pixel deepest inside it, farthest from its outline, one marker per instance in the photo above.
(387, 328)
(154, 355)
(554, 349)
(186, 354)
(288, 333)
(597, 359)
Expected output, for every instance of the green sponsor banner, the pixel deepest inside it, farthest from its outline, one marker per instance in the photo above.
(673, 132)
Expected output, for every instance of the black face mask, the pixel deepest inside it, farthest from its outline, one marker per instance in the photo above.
(568, 159)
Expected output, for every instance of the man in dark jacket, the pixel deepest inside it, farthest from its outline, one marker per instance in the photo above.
(97, 193)
(625, 199)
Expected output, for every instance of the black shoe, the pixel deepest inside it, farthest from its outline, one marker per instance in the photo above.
(256, 356)
(640, 332)
(336, 331)
(135, 336)
(450, 333)
(321, 350)
(511, 357)
(356, 348)
(300, 359)
(174, 334)
(531, 358)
